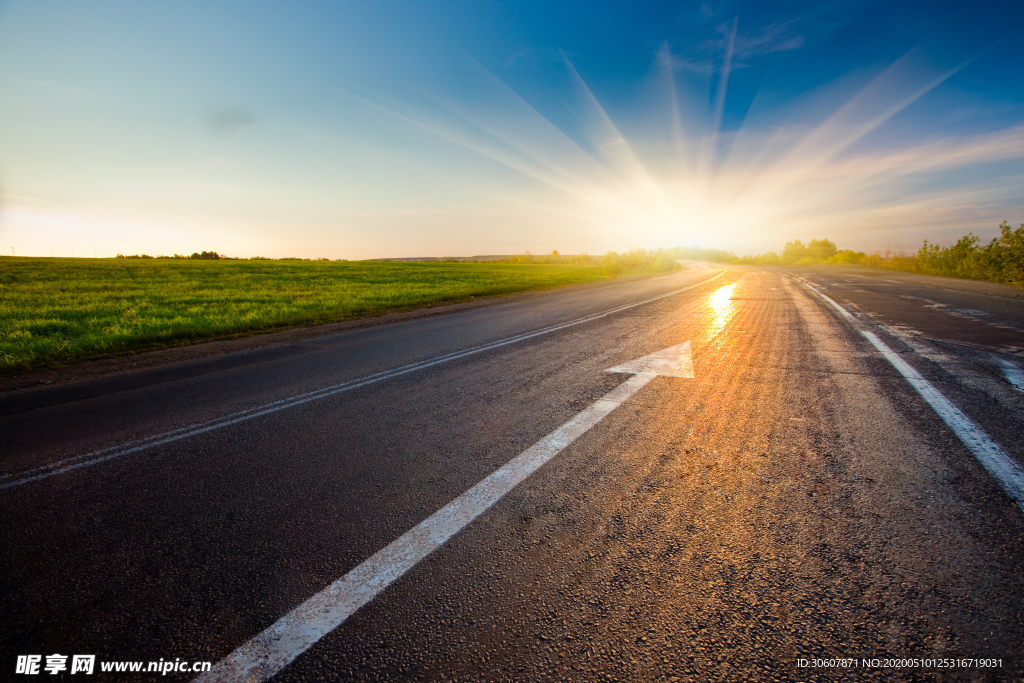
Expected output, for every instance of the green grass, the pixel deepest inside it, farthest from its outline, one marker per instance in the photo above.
(56, 310)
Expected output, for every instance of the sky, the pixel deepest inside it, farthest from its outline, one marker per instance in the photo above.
(399, 129)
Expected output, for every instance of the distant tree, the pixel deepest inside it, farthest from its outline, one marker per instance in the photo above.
(635, 259)
(661, 261)
(1003, 258)
(525, 257)
(793, 252)
(821, 250)
(702, 254)
(612, 264)
(847, 256)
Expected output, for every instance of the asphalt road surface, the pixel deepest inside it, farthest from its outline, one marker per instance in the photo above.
(797, 502)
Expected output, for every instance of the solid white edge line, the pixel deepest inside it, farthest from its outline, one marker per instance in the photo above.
(277, 646)
(1011, 372)
(846, 314)
(103, 455)
(1007, 472)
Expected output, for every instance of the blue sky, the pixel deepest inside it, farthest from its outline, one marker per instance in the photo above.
(362, 130)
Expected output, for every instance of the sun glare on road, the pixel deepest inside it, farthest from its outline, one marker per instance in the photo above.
(721, 304)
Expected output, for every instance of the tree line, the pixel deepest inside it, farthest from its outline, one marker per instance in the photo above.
(204, 255)
(999, 260)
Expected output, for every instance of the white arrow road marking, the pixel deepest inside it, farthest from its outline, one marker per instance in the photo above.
(1001, 466)
(96, 457)
(674, 361)
(276, 647)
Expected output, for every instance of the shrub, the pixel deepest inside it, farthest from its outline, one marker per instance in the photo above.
(612, 264)
(846, 256)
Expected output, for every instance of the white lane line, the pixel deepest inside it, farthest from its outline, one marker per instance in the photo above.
(1011, 372)
(135, 446)
(276, 647)
(1007, 472)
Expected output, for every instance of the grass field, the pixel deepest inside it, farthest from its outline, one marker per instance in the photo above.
(55, 310)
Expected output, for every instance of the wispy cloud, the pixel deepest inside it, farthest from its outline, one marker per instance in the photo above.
(231, 120)
(706, 56)
(710, 31)
(776, 37)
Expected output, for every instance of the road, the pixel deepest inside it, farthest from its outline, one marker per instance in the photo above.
(796, 499)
